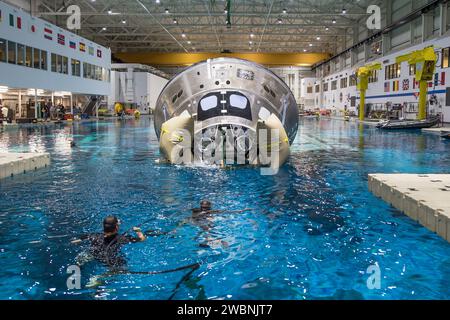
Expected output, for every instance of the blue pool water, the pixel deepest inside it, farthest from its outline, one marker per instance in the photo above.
(313, 231)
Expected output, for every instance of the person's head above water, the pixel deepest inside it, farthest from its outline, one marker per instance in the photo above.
(111, 224)
(205, 205)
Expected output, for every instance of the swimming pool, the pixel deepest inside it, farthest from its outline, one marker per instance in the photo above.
(313, 230)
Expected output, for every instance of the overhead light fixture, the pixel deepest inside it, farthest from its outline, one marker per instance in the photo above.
(304, 50)
(175, 21)
(158, 1)
(326, 28)
(334, 20)
(318, 38)
(250, 42)
(124, 21)
(166, 11)
(104, 28)
(284, 11)
(251, 35)
(110, 11)
(310, 44)
(225, 11)
(188, 42)
(344, 11)
(183, 35)
(280, 21)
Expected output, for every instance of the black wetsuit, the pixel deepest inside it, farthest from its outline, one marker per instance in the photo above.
(108, 249)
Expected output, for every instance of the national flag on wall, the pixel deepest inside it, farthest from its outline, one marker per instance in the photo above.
(405, 84)
(387, 87)
(396, 85)
(19, 23)
(72, 45)
(82, 47)
(61, 39)
(99, 53)
(442, 78)
(91, 50)
(48, 34)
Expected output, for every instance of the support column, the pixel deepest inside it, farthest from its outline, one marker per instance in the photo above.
(362, 104)
(443, 18)
(366, 52)
(35, 104)
(422, 100)
(20, 104)
(386, 38)
(71, 103)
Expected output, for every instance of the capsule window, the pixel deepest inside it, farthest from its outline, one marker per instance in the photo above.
(209, 103)
(238, 101)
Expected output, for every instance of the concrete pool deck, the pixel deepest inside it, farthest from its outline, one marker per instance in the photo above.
(439, 130)
(16, 163)
(423, 197)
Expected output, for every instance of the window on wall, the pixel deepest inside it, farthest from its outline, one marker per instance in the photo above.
(352, 80)
(317, 88)
(20, 54)
(36, 58)
(11, 52)
(29, 57)
(412, 69)
(60, 64)
(54, 62)
(2, 50)
(392, 71)
(65, 65)
(44, 60)
(445, 57)
(309, 89)
(95, 72)
(344, 82)
(334, 85)
(76, 67)
(373, 76)
(325, 87)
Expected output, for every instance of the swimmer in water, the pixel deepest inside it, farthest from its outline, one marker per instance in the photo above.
(203, 217)
(106, 247)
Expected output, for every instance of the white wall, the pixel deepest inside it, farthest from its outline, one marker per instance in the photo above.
(156, 85)
(376, 93)
(15, 76)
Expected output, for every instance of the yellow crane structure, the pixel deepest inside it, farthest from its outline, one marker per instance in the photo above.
(363, 73)
(425, 62)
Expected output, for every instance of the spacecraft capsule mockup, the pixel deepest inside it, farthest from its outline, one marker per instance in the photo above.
(226, 111)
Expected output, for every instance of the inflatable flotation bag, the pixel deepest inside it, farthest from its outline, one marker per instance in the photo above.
(281, 145)
(176, 135)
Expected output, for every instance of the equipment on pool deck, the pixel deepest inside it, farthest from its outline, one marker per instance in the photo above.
(409, 124)
(425, 64)
(363, 74)
(218, 109)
